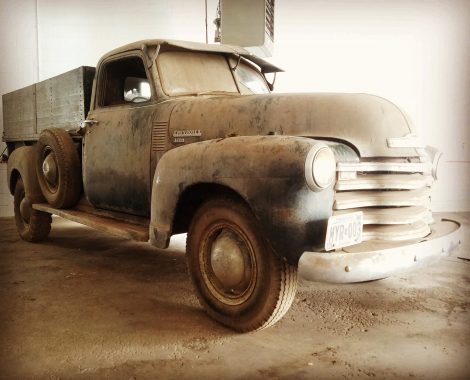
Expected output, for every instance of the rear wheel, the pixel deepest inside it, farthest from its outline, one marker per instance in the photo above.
(32, 225)
(239, 280)
(58, 168)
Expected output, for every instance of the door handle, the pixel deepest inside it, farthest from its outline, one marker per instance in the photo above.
(89, 122)
(86, 123)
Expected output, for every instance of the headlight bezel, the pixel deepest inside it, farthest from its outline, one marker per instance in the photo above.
(311, 166)
(434, 155)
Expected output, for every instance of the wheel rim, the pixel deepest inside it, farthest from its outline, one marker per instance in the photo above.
(228, 264)
(49, 169)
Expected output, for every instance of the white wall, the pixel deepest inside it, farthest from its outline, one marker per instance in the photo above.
(43, 38)
(18, 65)
(414, 52)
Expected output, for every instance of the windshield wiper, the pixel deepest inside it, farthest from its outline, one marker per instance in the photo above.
(216, 92)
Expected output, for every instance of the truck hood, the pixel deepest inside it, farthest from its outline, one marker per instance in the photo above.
(364, 121)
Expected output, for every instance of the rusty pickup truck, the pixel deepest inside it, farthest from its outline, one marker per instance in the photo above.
(167, 137)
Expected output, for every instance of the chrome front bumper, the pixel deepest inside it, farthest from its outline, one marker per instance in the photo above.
(375, 260)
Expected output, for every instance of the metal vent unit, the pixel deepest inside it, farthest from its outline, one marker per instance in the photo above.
(270, 19)
(248, 23)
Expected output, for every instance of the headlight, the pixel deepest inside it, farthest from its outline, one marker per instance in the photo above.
(320, 167)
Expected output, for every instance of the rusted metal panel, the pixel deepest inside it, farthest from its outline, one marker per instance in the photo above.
(364, 121)
(112, 226)
(63, 101)
(60, 102)
(22, 162)
(19, 114)
(265, 66)
(116, 159)
(268, 172)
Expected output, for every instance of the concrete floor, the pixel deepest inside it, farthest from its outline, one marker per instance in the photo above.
(84, 305)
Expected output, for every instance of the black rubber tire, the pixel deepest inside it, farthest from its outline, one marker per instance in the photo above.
(66, 190)
(272, 282)
(34, 227)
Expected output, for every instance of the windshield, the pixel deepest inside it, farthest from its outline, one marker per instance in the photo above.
(251, 80)
(190, 73)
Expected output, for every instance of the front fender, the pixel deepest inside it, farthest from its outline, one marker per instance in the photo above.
(266, 171)
(22, 163)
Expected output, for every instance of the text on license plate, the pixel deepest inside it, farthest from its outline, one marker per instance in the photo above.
(343, 230)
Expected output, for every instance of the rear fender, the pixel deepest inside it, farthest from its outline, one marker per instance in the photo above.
(21, 163)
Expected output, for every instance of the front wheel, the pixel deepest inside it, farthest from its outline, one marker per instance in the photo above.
(239, 280)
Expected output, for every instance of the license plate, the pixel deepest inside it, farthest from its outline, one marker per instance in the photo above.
(343, 230)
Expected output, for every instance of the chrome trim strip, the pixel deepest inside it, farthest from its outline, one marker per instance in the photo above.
(396, 232)
(385, 181)
(395, 215)
(401, 167)
(369, 198)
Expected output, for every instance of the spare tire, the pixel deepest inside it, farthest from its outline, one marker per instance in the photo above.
(58, 168)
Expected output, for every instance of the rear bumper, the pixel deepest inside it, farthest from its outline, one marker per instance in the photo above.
(375, 260)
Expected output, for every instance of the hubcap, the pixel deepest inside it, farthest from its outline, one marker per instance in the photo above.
(49, 168)
(228, 260)
(25, 210)
(228, 265)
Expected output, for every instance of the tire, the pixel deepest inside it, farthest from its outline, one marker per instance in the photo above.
(239, 280)
(32, 225)
(58, 168)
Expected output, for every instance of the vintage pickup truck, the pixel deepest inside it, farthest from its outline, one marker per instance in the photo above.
(168, 137)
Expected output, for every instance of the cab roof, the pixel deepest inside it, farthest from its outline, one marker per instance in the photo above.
(265, 66)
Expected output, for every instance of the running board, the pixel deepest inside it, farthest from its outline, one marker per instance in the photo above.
(113, 226)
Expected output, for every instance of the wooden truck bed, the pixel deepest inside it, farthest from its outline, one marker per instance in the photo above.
(59, 102)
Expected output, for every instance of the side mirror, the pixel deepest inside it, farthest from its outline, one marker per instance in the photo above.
(270, 84)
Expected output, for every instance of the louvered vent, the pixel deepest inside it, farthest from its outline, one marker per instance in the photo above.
(159, 136)
(270, 19)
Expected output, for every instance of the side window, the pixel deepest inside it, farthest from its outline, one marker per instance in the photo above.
(124, 81)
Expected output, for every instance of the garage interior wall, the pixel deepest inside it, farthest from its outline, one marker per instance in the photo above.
(415, 53)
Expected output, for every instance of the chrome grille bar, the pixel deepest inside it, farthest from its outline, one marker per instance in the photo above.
(393, 194)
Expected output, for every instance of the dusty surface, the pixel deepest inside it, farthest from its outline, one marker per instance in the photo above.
(84, 305)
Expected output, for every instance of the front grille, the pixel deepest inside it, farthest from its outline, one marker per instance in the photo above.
(393, 194)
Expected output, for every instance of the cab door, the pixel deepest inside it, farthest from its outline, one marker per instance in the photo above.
(116, 147)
